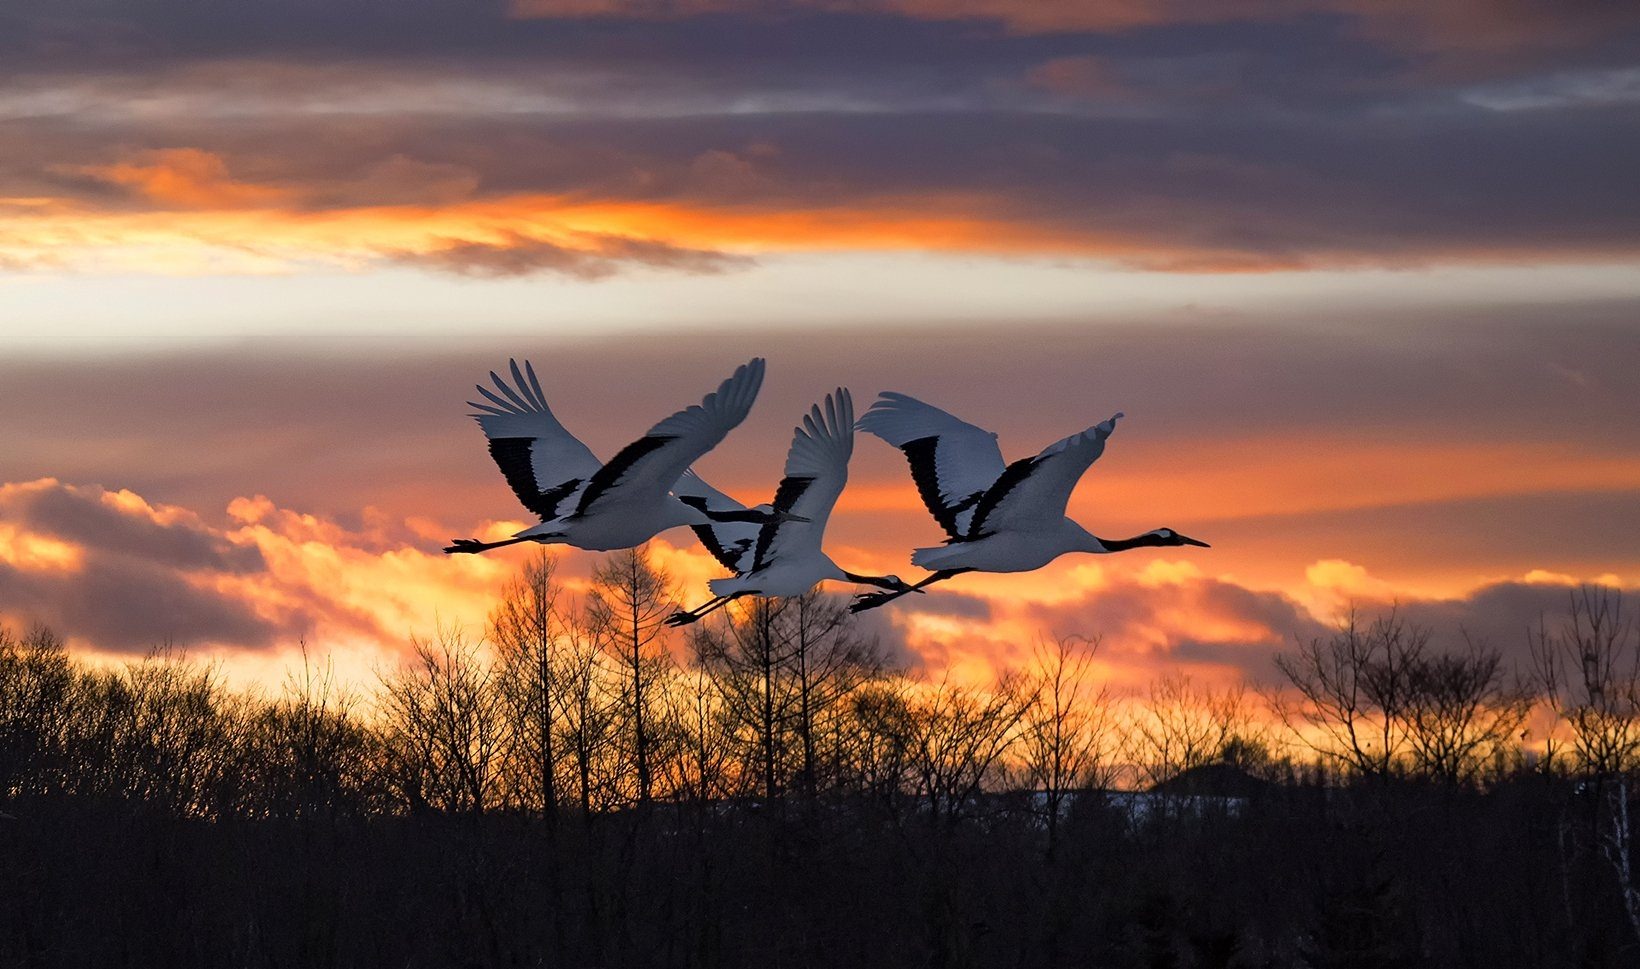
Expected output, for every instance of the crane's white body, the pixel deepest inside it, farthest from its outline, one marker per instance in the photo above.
(1015, 550)
(791, 577)
(614, 525)
(593, 504)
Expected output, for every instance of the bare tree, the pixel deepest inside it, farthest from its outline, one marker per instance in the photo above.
(1184, 725)
(829, 661)
(785, 668)
(702, 765)
(1462, 710)
(960, 735)
(180, 732)
(748, 656)
(1066, 737)
(1588, 670)
(1354, 692)
(880, 730)
(37, 692)
(446, 722)
(526, 629)
(586, 720)
(630, 599)
(315, 755)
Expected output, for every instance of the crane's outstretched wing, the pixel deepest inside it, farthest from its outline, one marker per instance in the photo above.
(1035, 491)
(731, 543)
(952, 462)
(816, 471)
(646, 469)
(543, 463)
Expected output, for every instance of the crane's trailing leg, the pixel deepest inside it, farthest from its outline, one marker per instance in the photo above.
(685, 617)
(696, 614)
(752, 516)
(871, 600)
(461, 546)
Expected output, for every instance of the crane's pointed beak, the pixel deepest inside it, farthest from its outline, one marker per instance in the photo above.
(1191, 541)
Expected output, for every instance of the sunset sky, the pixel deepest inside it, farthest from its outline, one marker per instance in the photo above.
(1363, 274)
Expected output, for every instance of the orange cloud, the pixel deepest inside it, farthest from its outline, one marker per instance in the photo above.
(114, 571)
(1182, 481)
(1282, 475)
(186, 210)
(186, 178)
(245, 233)
(247, 588)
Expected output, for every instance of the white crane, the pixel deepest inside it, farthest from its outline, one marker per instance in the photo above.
(596, 505)
(783, 557)
(999, 518)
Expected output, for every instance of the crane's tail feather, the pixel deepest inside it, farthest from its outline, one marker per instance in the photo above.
(934, 558)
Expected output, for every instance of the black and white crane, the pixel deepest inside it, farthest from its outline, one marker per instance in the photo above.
(998, 517)
(599, 505)
(784, 557)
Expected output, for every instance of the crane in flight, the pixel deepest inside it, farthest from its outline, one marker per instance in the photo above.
(997, 517)
(599, 505)
(783, 556)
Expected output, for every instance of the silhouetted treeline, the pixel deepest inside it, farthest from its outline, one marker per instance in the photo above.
(573, 788)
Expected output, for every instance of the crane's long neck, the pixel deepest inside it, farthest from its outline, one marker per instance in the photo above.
(1147, 540)
(880, 581)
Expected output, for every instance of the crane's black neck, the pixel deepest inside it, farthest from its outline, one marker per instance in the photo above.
(880, 581)
(1147, 540)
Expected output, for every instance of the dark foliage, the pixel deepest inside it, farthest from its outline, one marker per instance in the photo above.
(149, 817)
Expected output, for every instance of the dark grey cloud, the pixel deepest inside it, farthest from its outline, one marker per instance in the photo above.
(1497, 616)
(1239, 189)
(1255, 661)
(136, 581)
(956, 605)
(1126, 616)
(892, 645)
(1574, 532)
(1466, 31)
(130, 605)
(80, 517)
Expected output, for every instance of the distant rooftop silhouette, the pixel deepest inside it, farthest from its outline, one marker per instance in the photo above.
(1218, 779)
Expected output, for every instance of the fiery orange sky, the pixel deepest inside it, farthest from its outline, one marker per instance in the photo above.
(1362, 275)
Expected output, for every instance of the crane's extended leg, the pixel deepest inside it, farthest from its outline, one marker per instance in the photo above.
(871, 600)
(694, 615)
(685, 617)
(461, 546)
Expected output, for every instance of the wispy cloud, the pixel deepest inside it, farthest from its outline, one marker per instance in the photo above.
(1159, 136)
